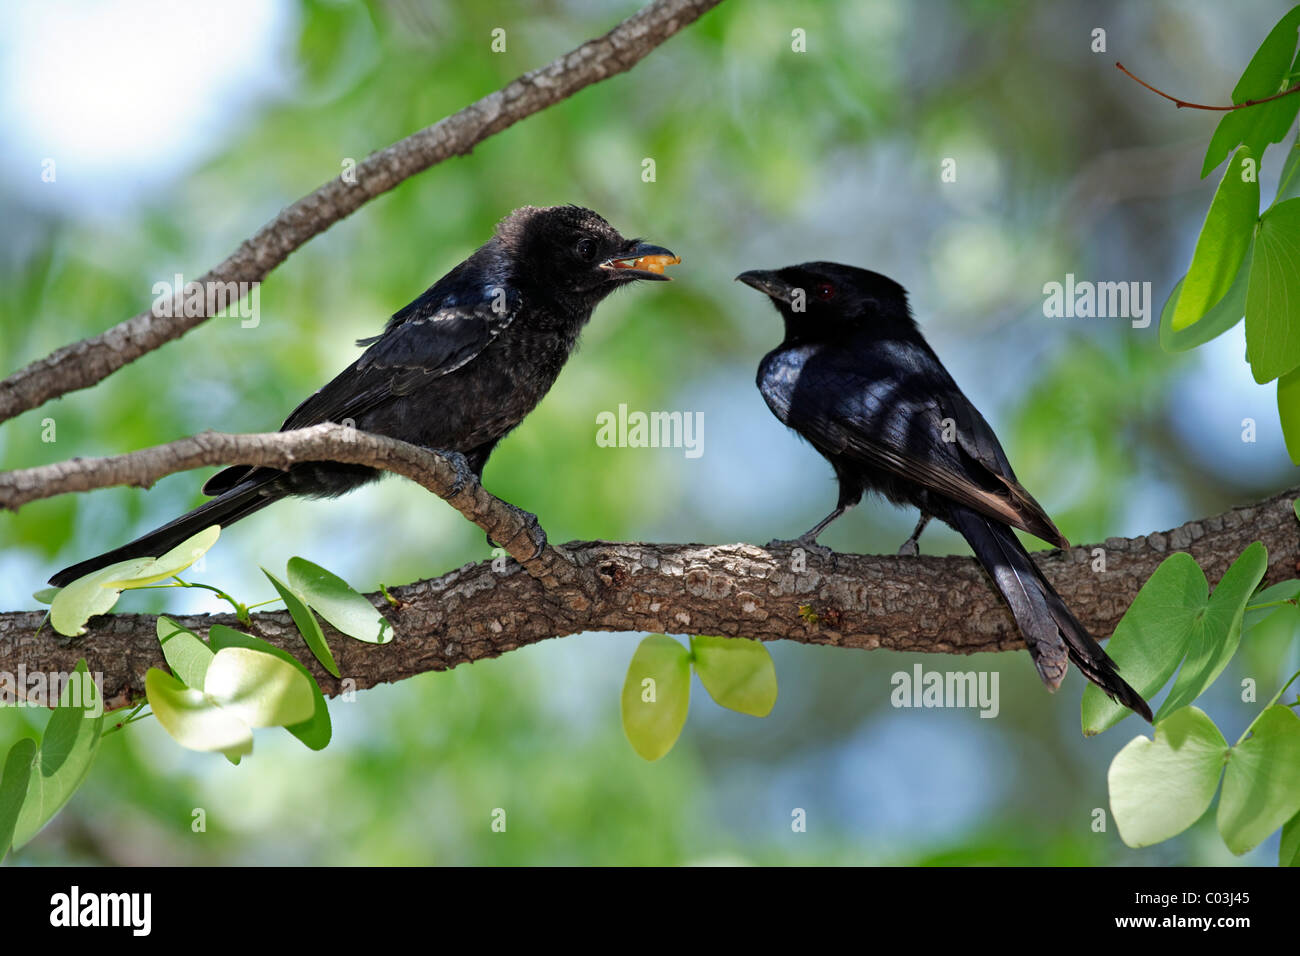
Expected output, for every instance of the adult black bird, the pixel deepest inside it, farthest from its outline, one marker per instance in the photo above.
(855, 377)
(454, 371)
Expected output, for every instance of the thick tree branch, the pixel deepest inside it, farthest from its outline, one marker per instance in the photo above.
(938, 604)
(82, 364)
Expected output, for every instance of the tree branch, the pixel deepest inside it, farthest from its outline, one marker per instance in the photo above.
(83, 364)
(936, 604)
(446, 475)
(1184, 104)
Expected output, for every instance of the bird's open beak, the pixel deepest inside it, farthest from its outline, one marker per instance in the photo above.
(768, 283)
(643, 261)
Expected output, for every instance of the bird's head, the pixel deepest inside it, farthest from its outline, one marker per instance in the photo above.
(573, 252)
(819, 300)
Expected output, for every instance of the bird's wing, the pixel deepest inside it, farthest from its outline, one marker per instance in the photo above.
(896, 408)
(432, 336)
(425, 340)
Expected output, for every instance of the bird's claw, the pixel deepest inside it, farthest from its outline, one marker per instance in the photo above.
(464, 474)
(807, 544)
(532, 528)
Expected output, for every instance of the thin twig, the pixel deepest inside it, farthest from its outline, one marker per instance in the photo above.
(1201, 106)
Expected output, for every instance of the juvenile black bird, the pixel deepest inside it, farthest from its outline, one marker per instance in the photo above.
(454, 371)
(855, 377)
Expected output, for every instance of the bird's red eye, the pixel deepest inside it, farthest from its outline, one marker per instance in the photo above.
(825, 291)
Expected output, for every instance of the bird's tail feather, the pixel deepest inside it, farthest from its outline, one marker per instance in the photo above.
(239, 502)
(1053, 634)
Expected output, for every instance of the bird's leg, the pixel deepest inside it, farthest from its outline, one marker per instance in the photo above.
(912, 546)
(812, 533)
(467, 475)
(808, 540)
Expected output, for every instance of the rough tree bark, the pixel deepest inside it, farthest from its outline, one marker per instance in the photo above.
(937, 604)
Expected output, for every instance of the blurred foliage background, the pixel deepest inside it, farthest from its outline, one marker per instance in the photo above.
(178, 131)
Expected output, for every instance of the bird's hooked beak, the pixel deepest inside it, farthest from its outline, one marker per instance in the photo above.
(768, 283)
(642, 261)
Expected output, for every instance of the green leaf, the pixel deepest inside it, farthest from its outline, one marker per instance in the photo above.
(1288, 184)
(1151, 639)
(186, 655)
(1288, 852)
(1224, 241)
(260, 689)
(1273, 298)
(13, 788)
(1173, 617)
(1287, 590)
(1288, 410)
(1267, 632)
(333, 599)
(192, 719)
(1159, 787)
(1268, 73)
(1222, 316)
(656, 695)
(1261, 787)
(1217, 631)
(737, 672)
(173, 562)
(47, 595)
(316, 731)
(67, 750)
(308, 626)
(90, 595)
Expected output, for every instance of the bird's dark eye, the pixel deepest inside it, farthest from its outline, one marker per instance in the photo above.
(587, 249)
(825, 291)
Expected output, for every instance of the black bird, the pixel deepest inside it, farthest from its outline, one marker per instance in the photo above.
(454, 371)
(855, 377)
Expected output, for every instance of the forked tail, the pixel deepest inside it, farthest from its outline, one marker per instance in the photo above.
(1051, 631)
